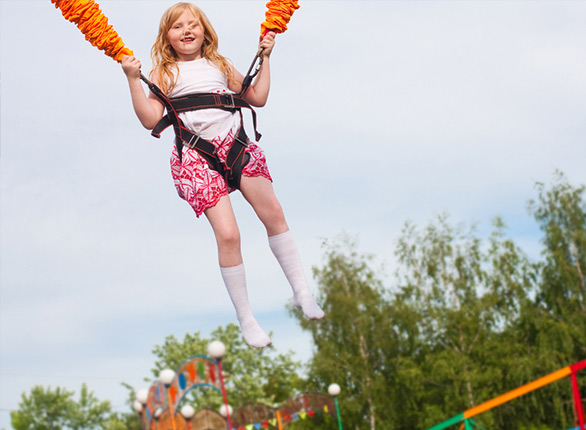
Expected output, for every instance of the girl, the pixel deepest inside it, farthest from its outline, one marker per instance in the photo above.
(186, 61)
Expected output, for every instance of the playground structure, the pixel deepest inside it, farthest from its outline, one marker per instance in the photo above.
(571, 371)
(160, 407)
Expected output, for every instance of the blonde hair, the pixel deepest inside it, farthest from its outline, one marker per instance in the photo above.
(164, 56)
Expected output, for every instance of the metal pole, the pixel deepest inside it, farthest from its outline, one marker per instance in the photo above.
(224, 394)
(171, 409)
(338, 412)
(578, 401)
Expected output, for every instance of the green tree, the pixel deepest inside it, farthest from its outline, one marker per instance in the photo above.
(354, 341)
(48, 409)
(439, 342)
(89, 412)
(123, 421)
(551, 326)
(560, 211)
(43, 409)
(465, 293)
(468, 319)
(253, 375)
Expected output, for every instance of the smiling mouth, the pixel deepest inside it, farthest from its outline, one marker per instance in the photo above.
(188, 39)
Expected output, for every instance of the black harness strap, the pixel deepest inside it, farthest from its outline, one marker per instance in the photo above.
(236, 158)
(228, 101)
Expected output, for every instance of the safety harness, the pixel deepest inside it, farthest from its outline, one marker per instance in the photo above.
(236, 158)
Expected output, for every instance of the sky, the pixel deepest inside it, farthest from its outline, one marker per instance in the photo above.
(380, 112)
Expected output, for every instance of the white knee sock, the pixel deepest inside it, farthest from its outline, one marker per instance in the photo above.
(283, 247)
(235, 280)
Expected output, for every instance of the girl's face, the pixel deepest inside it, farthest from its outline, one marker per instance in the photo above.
(186, 36)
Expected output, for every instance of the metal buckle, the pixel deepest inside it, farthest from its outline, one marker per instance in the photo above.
(191, 144)
(232, 106)
(241, 141)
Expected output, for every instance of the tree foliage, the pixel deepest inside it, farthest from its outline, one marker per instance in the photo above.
(351, 342)
(253, 375)
(561, 213)
(56, 409)
(466, 319)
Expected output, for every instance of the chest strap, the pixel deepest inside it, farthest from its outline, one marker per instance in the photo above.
(227, 101)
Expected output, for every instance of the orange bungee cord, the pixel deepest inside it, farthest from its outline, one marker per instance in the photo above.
(88, 17)
(278, 15)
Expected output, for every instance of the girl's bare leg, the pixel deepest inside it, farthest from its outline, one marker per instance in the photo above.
(223, 222)
(258, 191)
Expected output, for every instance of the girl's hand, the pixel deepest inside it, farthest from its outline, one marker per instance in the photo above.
(267, 43)
(131, 67)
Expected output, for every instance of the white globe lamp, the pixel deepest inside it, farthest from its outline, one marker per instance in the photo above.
(223, 410)
(216, 350)
(334, 389)
(137, 406)
(142, 396)
(188, 412)
(166, 377)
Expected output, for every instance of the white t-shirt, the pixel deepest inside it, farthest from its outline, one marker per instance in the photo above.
(203, 76)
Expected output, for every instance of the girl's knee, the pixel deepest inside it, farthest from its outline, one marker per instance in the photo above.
(228, 237)
(274, 219)
(272, 212)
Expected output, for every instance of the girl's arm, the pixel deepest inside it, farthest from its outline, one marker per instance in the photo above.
(258, 92)
(148, 110)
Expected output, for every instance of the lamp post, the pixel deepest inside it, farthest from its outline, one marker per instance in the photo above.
(225, 411)
(188, 412)
(334, 390)
(139, 405)
(216, 350)
(157, 415)
(166, 377)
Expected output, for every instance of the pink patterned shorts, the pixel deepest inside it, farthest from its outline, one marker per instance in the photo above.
(203, 187)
